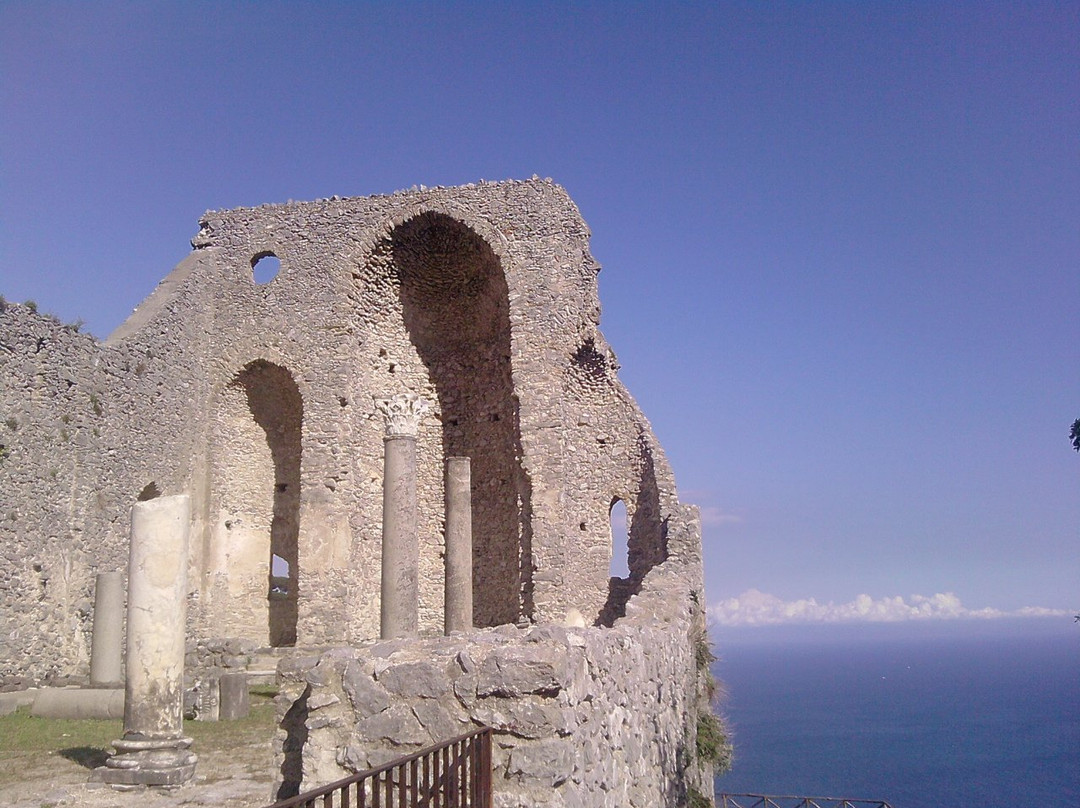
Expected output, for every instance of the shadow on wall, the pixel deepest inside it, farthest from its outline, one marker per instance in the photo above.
(296, 734)
(456, 310)
(257, 482)
(647, 543)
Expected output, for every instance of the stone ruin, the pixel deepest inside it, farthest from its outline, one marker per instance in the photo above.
(468, 314)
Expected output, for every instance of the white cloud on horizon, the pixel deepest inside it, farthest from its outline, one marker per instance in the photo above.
(712, 515)
(755, 608)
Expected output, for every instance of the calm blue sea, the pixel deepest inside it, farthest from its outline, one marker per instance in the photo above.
(952, 713)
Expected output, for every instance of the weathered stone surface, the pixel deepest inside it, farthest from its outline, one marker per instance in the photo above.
(154, 750)
(396, 724)
(415, 680)
(106, 651)
(527, 717)
(367, 697)
(458, 594)
(320, 700)
(545, 762)
(516, 671)
(234, 699)
(258, 400)
(590, 716)
(51, 702)
(480, 300)
(440, 722)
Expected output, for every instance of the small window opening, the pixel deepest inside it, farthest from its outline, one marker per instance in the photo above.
(265, 267)
(620, 541)
(279, 575)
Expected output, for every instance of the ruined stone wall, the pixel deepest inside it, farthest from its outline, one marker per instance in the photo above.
(582, 716)
(257, 399)
(76, 421)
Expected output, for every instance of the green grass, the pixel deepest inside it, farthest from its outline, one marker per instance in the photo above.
(22, 732)
(88, 741)
(220, 736)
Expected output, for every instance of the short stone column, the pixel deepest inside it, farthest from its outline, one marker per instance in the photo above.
(457, 593)
(154, 750)
(106, 642)
(234, 700)
(399, 611)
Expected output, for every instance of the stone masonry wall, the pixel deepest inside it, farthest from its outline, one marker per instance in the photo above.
(73, 417)
(257, 399)
(586, 716)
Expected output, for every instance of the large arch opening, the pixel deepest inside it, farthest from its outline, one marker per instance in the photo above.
(257, 488)
(456, 309)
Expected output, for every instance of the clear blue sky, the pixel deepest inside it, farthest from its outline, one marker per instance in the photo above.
(840, 241)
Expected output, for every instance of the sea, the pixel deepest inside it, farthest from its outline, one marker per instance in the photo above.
(954, 713)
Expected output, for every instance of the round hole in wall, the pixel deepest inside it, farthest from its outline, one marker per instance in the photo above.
(265, 267)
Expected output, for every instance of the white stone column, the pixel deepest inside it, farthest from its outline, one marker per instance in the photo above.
(106, 642)
(399, 610)
(457, 593)
(154, 750)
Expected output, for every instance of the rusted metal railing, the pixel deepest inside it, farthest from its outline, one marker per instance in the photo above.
(764, 801)
(453, 774)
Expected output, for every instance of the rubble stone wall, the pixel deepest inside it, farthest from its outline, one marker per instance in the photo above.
(74, 422)
(585, 716)
(257, 400)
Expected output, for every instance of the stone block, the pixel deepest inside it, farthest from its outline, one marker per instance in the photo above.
(525, 717)
(396, 724)
(548, 763)
(415, 680)
(439, 722)
(367, 696)
(516, 671)
(234, 700)
(73, 703)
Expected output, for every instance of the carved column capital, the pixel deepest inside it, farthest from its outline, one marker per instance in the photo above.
(403, 414)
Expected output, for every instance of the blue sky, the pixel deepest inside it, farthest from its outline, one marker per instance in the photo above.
(840, 240)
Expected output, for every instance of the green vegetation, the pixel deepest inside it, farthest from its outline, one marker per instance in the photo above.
(221, 736)
(24, 738)
(703, 655)
(695, 799)
(713, 745)
(22, 732)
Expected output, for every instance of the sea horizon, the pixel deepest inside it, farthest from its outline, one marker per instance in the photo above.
(979, 712)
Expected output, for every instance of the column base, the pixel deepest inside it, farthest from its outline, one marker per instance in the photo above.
(143, 762)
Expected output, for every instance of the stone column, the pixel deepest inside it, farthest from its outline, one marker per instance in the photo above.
(457, 594)
(154, 750)
(399, 610)
(106, 649)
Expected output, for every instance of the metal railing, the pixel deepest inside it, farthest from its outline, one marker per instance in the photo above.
(453, 774)
(765, 801)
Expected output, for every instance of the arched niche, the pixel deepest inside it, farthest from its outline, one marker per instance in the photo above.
(455, 307)
(256, 502)
(644, 540)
